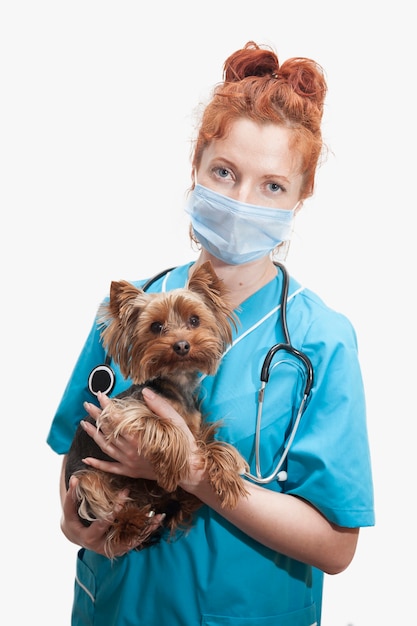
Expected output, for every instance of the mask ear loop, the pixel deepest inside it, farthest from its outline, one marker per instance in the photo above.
(195, 244)
(280, 252)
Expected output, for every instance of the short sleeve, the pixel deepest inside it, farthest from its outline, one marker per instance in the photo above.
(70, 410)
(329, 463)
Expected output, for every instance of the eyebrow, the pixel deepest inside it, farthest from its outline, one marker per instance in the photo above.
(228, 163)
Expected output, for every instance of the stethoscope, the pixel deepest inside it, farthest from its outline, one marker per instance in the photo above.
(102, 379)
(278, 473)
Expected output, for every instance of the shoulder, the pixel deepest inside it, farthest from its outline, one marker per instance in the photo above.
(312, 318)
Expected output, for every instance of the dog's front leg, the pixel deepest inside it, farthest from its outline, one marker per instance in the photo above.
(225, 468)
(162, 442)
(167, 448)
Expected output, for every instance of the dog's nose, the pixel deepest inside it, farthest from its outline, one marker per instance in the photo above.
(181, 347)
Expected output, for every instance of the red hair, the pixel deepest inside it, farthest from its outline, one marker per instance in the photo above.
(255, 86)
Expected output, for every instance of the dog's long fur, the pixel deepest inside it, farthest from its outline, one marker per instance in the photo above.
(162, 341)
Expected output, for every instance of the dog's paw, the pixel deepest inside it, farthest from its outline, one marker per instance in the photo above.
(167, 448)
(225, 468)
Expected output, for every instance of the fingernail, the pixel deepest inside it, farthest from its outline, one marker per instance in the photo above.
(151, 513)
(148, 393)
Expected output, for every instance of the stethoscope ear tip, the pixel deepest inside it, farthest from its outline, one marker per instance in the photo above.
(282, 476)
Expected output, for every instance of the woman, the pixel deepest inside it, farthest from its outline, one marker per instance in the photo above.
(254, 163)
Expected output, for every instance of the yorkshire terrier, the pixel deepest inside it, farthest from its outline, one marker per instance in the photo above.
(163, 341)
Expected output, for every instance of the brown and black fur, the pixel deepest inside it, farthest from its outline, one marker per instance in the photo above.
(162, 341)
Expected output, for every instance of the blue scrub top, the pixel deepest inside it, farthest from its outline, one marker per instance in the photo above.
(215, 574)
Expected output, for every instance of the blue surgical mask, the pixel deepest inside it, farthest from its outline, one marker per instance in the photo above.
(233, 231)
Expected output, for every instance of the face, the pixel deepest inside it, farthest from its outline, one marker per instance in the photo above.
(253, 164)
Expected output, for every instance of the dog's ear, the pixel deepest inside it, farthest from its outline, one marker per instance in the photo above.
(211, 288)
(118, 317)
(205, 278)
(122, 295)
(123, 305)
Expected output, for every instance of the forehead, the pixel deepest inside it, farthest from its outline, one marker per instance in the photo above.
(267, 148)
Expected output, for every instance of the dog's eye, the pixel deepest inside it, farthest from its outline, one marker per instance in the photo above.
(156, 328)
(194, 321)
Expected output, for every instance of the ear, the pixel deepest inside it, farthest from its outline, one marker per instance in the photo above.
(205, 282)
(211, 288)
(122, 296)
(118, 317)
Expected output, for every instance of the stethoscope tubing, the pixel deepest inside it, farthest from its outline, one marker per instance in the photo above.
(265, 371)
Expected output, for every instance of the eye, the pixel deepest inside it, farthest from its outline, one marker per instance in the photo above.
(194, 321)
(275, 187)
(156, 328)
(222, 172)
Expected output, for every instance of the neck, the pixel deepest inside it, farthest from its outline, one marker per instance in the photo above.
(241, 281)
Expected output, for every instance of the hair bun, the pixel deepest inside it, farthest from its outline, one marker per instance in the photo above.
(305, 77)
(250, 61)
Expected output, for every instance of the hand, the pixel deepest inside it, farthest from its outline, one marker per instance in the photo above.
(161, 407)
(93, 537)
(124, 449)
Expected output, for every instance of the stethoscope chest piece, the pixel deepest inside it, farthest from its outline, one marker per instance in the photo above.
(101, 378)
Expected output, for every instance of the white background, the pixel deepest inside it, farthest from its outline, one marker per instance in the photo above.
(96, 116)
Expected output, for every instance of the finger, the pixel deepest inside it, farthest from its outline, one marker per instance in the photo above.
(69, 505)
(110, 448)
(94, 432)
(155, 401)
(106, 466)
(95, 536)
(93, 411)
(92, 535)
(123, 447)
(103, 399)
(155, 521)
(161, 407)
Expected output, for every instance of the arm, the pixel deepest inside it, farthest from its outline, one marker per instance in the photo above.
(285, 524)
(282, 522)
